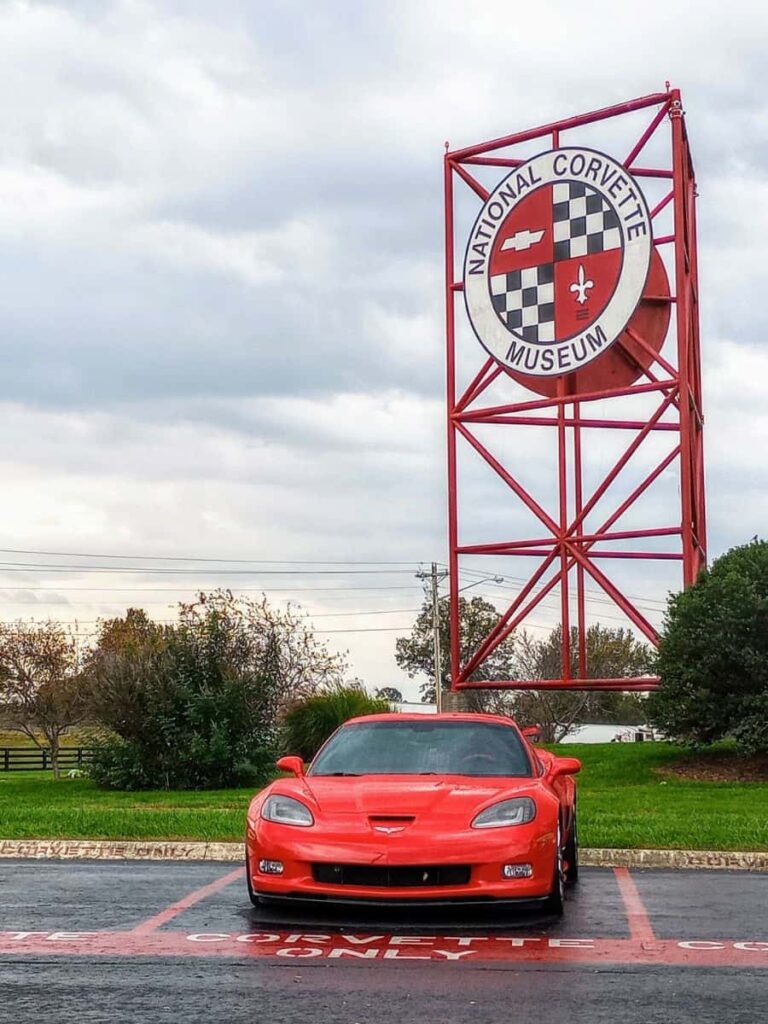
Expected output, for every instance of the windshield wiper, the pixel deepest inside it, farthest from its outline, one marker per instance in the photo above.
(337, 774)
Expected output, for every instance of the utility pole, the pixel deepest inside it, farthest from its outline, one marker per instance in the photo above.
(436, 641)
(436, 578)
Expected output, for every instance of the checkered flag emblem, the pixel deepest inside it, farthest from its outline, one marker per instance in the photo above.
(584, 222)
(555, 262)
(525, 301)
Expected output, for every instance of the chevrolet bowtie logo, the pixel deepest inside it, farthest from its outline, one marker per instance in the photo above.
(522, 240)
(389, 829)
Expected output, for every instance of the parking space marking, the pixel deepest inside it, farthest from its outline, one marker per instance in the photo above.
(220, 928)
(639, 922)
(356, 948)
(196, 896)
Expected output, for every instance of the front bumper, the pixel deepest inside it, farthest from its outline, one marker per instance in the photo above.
(397, 902)
(485, 851)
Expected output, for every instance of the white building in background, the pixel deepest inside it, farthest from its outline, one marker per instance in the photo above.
(610, 734)
(416, 707)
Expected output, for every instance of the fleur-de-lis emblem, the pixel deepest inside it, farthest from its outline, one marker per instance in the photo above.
(580, 286)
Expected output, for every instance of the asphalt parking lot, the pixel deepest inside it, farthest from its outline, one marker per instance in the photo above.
(179, 941)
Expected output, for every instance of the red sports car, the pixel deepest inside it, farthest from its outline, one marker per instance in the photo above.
(416, 809)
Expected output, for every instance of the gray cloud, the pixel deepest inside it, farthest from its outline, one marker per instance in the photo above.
(221, 260)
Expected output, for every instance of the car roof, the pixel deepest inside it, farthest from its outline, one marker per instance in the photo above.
(445, 716)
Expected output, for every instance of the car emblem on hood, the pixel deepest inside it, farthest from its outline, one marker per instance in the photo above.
(389, 829)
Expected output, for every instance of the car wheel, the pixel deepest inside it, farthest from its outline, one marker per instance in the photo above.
(572, 853)
(251, 894)
(556, 900)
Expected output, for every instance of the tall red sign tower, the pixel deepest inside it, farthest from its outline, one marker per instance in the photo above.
(572, 307)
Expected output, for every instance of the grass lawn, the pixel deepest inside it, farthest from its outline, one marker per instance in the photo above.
(33, 805)
(623, 802)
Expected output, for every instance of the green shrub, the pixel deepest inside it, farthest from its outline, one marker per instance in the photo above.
(192, 706)
(309, 723)
(713, 657)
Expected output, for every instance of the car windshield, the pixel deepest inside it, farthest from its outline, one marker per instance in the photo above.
(424, 748)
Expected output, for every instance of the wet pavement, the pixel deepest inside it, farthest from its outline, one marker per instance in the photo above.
(161, 941)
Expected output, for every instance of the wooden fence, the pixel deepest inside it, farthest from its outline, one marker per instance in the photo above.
(33, 759)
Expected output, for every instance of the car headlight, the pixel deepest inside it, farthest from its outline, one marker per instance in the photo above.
(286, 811)
(517, 811)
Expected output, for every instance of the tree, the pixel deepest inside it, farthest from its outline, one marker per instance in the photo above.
(415, 653)
(196, 704)
(611, 653)
(40, 685)
(304, 663)
(117, 636)
(390, 693)
(713, 657)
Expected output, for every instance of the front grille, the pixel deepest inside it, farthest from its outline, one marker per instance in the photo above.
(387, 877)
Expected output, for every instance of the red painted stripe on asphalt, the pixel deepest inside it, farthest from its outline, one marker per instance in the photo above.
(158, 920)
(640, 926)
(279, 946)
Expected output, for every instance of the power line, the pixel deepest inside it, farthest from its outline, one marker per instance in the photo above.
(377, 611)
(195, 558)
(399, 629)
(601, 598)
(372, 629)
(325, 632)
(51, 567)
(310, 615)
(35, 566)
(548, 603)
(184, 590)
(318, 632)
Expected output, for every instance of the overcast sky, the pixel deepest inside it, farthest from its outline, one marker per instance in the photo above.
(220, 279)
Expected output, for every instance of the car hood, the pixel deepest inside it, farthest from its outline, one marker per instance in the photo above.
(409, 795)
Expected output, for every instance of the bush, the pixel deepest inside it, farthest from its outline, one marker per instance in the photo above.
(309, 723)
(192, 706)
(713, 657)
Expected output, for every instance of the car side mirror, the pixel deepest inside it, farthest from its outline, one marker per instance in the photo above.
(291, 764)
(531, 732)
(565, 766)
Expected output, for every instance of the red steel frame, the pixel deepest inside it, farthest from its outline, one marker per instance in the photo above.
(564, 545)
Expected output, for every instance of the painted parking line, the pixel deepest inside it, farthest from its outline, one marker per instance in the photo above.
(640, 927)
(196, 896)
(209, 932)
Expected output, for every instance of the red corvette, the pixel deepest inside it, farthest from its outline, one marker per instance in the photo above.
(418, 809)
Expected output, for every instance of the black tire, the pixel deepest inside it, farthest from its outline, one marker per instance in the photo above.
(572, 853)
(555, 903)
(251, 894)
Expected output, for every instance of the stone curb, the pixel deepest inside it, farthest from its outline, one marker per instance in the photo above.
(76, 849)
(96, 849)
(733, 860)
